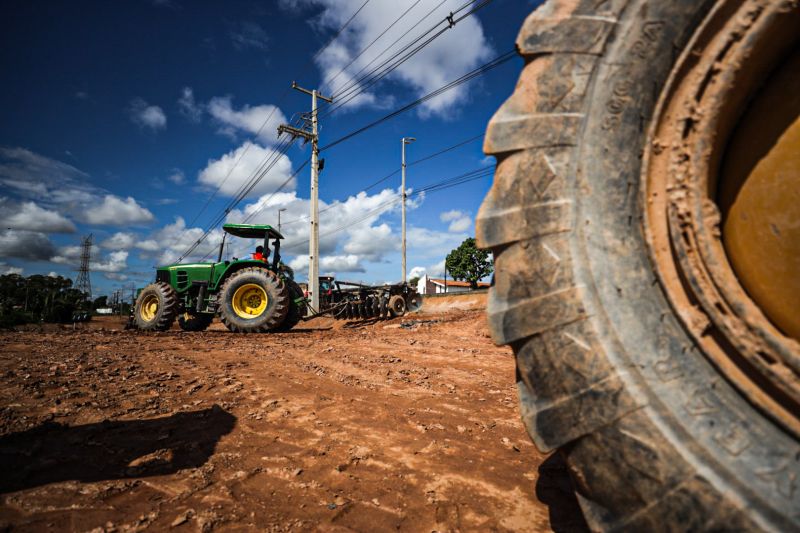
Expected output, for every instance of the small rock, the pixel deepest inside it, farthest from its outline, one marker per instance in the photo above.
(298, 471)
(376, 502)
(332, 506)
(180, 519)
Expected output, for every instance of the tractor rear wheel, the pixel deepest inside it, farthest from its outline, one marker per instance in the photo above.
(668, 377)
(253, 300)
(155, 307)
(195, 321)
(297, 306)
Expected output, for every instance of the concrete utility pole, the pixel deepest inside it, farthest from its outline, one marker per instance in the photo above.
(313, 245)
(279, 218)
(405, 141)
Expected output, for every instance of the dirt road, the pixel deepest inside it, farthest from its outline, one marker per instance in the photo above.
(405, 425)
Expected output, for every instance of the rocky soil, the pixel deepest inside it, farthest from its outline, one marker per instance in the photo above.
(410, 424)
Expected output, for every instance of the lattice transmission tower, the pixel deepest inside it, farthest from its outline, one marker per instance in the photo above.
(84, 283)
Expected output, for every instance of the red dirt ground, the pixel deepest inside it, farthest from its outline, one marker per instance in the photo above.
(410, 424)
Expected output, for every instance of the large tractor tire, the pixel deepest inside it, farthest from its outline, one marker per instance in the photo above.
(155, 307)
(195, 321)
(650, 359)
(297, 307)
(253, 300)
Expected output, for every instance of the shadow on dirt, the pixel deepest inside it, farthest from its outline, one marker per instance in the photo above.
(111, 450)
(554, 489)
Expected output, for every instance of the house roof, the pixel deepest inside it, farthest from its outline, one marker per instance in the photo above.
(453, 283)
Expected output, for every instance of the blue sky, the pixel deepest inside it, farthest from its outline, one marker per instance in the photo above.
(122, 119)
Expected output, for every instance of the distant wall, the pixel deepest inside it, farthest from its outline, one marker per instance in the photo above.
(437, 303)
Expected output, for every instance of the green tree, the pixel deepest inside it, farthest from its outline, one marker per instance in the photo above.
(35, 298)
(468, 263)
(100, 301)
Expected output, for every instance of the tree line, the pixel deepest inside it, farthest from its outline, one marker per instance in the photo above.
(39, 298)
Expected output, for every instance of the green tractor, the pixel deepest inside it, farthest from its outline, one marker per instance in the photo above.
(249, 295)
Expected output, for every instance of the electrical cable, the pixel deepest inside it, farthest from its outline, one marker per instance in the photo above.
(281, 150)
(355, 76)
(393, 173)
(330, 81)
(360, 85)
(274, 108)
(496, 62)
(433, 187)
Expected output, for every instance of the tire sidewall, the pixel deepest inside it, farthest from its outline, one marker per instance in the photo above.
(165, 314)
(397, 306)
(273, 314)
(703, 415)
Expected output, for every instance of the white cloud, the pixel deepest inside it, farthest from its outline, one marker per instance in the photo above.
(436, 270)
(171, 241)
(329, 264)
(35, 176)
(231, 177)
(6, 269)
(260, 120)
(352, 227)
(248, 34)
(150, 245)
(115, 276)
(459, 221)
(427, 242)
(177, 177)
(29, 216)
(371, 242)
(188, 107)
(147, 116)
(458, 51)
(113, 262)
(417, 272)
(52, 274)
(120, 241)
(62, 189)
(113, 210)
(31, 245)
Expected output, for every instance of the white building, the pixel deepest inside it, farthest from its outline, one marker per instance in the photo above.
(427, 285)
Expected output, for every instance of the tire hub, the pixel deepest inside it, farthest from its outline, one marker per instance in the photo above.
(708, 215)
(249, 301)
(149, 308)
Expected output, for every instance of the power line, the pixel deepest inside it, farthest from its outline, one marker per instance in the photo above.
(397, 198)
(244, 190)
(426, 15)
(496, 62)
(358, 86)
(281, 149)
(274, 108)
(393, 173)
(330, 82)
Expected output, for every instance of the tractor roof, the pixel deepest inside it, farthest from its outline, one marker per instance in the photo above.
(252, 231)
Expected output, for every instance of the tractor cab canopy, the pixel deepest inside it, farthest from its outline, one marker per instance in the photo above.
(255, 231)
(252, 231)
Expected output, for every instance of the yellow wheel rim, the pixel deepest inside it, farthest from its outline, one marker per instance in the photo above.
(149, 308)
(249, 300)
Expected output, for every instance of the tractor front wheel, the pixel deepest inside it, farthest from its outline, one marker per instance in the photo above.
(253, 300)
(155, 307)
